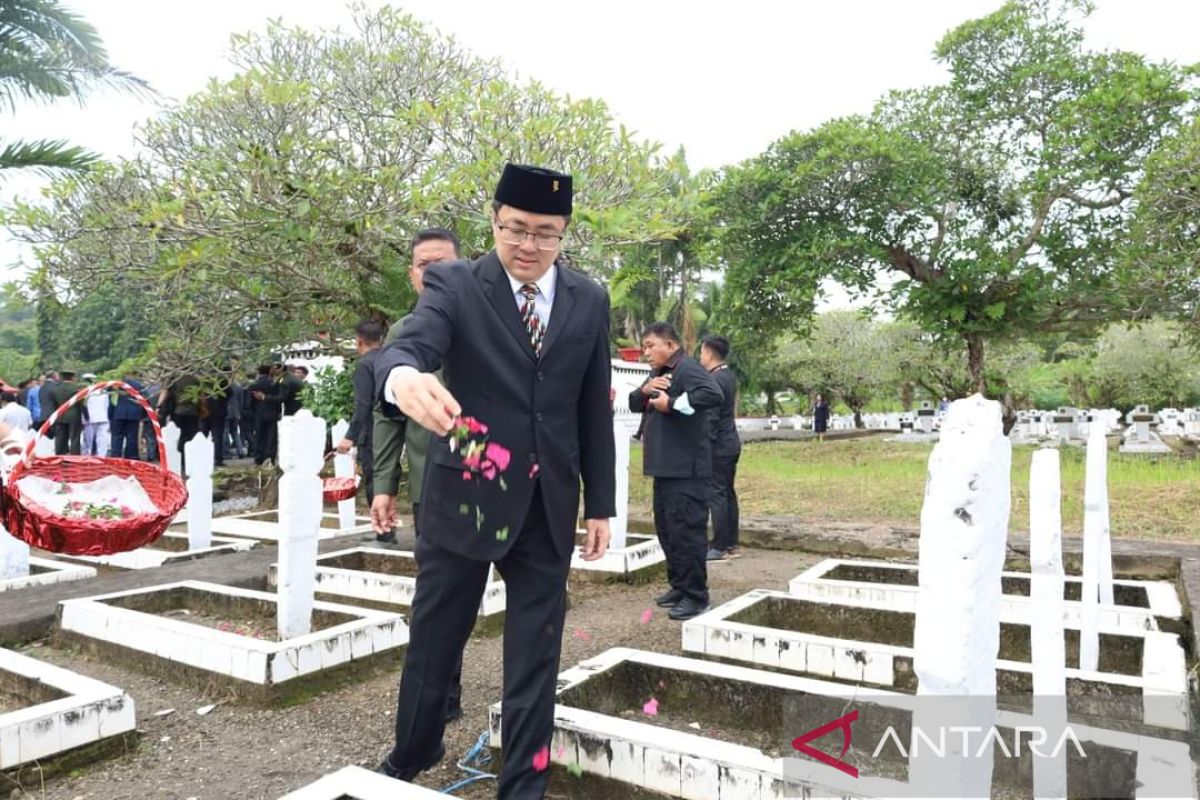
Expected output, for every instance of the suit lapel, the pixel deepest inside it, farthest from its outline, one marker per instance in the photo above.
(560, 312)
(500, 295)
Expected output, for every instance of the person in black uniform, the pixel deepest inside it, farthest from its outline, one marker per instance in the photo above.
(726, 450)
(368, 337)
(267, 412)
(523, 347)
(676, 402)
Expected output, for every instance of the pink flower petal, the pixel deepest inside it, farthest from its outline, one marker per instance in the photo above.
(647, 615)
(533, 471)
(466, 476)
(651, 708)
(499, 455)
(489, 470)
(541, 759)
(582, 635)
(560, 752)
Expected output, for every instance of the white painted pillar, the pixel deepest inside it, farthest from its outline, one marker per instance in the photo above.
(1049, 654)
(171, 436)
(301, 456)
(199, 457)
(964, 529)
(620, 523)
(343, 467)
(1097, 549)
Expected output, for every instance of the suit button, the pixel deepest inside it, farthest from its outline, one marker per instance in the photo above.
(538, 416)
(533, 458)
(541, 376)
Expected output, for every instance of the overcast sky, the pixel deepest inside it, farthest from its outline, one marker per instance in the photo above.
(722, 79)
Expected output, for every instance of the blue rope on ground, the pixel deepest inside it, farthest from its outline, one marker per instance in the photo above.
(477, 756)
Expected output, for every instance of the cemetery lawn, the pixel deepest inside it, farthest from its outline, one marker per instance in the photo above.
(871, 480)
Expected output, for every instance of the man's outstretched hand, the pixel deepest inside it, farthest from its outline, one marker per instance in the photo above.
(421, 397)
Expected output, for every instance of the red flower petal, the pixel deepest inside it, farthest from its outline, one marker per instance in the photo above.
(541, 759)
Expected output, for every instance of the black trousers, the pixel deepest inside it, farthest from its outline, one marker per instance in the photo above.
(681, 522)
(216, 432)
(125, 438)
(449, 589)
(723, 501)
(454, 696)
(67, 438)
(265, 431)
(188, 428)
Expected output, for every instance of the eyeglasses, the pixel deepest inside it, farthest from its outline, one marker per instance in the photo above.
(517, 237)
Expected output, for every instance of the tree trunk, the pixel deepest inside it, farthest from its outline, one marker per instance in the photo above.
(975, 362)
(858, 420)
(687, 329)
(906, 396)
(771, 406)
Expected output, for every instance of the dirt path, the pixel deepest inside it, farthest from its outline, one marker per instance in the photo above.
(247, 753)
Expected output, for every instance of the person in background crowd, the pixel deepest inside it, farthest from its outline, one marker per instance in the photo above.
(820, 413)
(69, 430)
(292, 384)
(98, 412)
(676, 452)
(249, 410)
(181, 403)
(153, 395)
(216, 405)
(127, 418)
(267, 412)
(13, 414)
(368, 337)
(235, 441)
(46, 403)
(726, 450)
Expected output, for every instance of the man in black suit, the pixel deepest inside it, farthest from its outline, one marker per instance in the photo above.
(726, 450)
(267, 412)
(523, 345)
(677, 400)
(368, 336)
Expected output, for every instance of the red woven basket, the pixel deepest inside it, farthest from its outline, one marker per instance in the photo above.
(42, 528)
(335, 490)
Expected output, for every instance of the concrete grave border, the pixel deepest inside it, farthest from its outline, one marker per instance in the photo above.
(241, 658)
(382, 588)
(1164, 666)
(149, 557)
(633, 563)
(813, 585)
(361, 784)
(91, 711)
(58, 572)
(247, 527)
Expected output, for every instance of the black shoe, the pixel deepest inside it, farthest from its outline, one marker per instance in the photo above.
(385, 767)
(686, 609)
(453, 714)
(669, 599)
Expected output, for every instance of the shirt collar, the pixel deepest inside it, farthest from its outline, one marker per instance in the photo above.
(546, 284)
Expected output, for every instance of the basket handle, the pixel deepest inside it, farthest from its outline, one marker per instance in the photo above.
(78, 397)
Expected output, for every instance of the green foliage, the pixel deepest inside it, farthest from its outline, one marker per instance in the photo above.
(279, 204)
(331, 395)
(995, 204)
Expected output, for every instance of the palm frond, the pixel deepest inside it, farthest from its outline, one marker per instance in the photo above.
(45, 156)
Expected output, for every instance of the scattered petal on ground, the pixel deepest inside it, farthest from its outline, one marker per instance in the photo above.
(203, 710)
(575, 769)
(560, 752)
(651, 708)
(647, 615)
(582, 635)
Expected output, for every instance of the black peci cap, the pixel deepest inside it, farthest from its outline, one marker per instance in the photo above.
(533, 189)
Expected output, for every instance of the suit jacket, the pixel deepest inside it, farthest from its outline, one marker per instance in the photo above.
(392, 436)
(361, 424)
(676, 445)
(60, 393)
(550, 411)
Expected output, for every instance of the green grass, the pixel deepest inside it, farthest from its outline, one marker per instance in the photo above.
(870, 480)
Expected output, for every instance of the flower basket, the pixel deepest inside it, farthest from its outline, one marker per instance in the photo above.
(335, 490)
(31, 522)
(633, 354)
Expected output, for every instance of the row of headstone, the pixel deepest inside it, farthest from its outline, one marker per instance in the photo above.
(964, 528)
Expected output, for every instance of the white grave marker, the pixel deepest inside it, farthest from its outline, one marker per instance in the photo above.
(343, 467)
(623, 429)
(171, 436)
(199, 456)
(301, 455)
(1049, 653)
(964, 528)
(1097, 548)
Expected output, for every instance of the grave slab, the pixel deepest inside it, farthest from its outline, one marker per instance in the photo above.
(780, 631)
(640, 561)
(893, 585)
(60, 710)
(170, 548)
(738, 742)
(356, 783)
(382, 578)
(264, 525)
(46, 571)
(230, 632)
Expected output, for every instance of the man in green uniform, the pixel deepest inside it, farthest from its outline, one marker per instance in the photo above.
(429, 247)
(69, 430)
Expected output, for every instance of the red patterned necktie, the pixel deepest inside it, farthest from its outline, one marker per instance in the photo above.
(533, 324)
